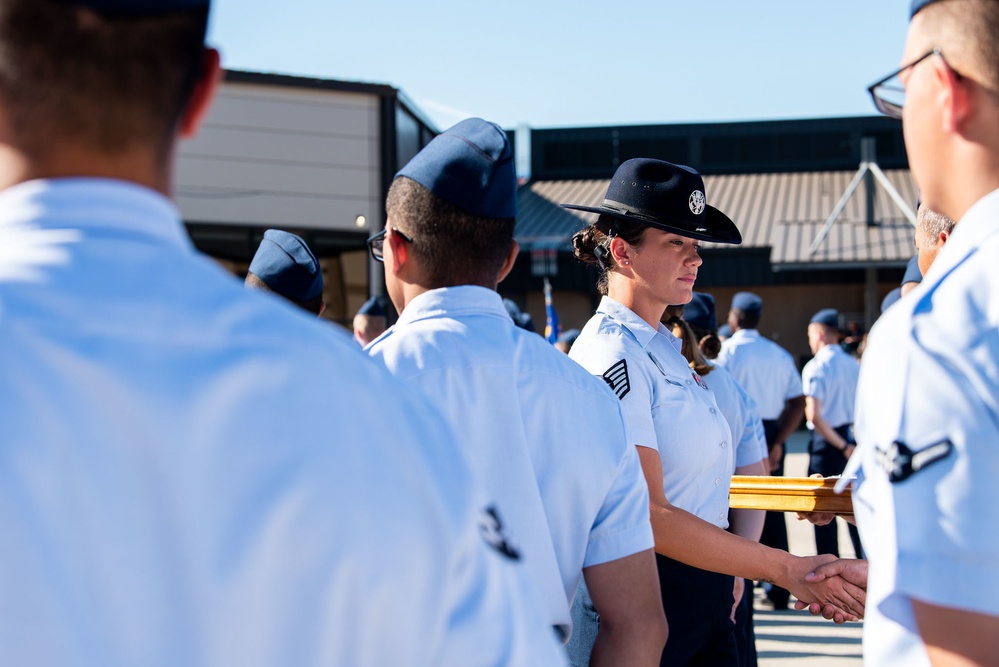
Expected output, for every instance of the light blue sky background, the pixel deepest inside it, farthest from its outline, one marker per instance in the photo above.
(582, 63)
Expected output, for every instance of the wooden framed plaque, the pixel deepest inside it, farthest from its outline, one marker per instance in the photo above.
(789, 494)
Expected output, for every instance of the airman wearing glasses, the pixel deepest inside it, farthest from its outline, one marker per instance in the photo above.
(927, 422)
(546, 437)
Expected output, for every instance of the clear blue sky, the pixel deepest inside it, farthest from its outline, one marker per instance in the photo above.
(581, 63)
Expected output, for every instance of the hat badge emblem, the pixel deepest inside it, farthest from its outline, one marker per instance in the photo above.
(696, 202)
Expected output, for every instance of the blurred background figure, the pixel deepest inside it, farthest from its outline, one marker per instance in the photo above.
(370, 322)
(285, 265)
(913, 276)
(768, 373)
(565, 340)
(829, 381)
(520, 318)
(932, 231)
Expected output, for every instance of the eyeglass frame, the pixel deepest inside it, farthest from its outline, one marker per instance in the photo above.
(891, 109)
(379, 241)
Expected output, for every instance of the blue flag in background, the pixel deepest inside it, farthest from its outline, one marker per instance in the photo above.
(551, 317)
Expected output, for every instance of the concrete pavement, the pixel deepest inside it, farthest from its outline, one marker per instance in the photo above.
(795, 638)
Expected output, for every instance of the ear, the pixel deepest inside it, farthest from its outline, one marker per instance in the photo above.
(954, 97)
(942, 239)
(619, 249)
(322, 309)
(508, 263)
(201, 97)
(400, 252)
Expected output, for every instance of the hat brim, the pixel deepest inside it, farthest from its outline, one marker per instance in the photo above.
(718, 228)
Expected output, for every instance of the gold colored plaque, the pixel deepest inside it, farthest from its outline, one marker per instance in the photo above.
(789, 494)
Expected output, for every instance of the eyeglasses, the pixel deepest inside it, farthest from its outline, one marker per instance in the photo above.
(889, 93)
(376, 244)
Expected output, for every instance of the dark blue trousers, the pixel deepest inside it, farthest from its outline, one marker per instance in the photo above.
(698, 605)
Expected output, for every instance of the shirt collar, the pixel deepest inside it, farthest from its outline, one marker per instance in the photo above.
(453, 302)
(745, 333)
(636, 326)
(91, 204)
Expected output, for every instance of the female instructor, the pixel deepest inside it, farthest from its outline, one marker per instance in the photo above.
(645, 245)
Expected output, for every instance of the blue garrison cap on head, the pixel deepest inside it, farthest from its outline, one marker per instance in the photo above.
(471, 166)
(725, 331)
(917, 5)
(912, 272)
(827, 316)
(137, 6)
(747, 302)
(700, 312)
(285, 263)
(372, 307)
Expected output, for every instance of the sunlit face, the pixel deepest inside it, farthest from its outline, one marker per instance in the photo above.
(815, 334)
(920, 122)
(393, 286)
(666, 265)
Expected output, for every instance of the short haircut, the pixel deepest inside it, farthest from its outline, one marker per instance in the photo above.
(746, 319)
(454, 247)
(933, 224)
(71, 75)
(314, 306)
(967, 32)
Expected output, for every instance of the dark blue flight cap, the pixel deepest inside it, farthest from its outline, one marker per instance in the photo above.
(826, 316)
(747, 302)
(917, 5)
(138, 6)
(912, 272)
(285, 263)
(666, 196)
(725, 331)
(700, 312)
(372, 307)
(521, 319)
(471, 166)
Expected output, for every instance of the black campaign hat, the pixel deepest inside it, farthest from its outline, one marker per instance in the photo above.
(666, 196)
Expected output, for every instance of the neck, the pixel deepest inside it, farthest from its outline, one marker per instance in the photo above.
(137, 166)
(642, 304)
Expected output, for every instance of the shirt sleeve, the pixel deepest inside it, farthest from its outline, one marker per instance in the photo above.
(622, 526)
(813, 381)
(793, 389)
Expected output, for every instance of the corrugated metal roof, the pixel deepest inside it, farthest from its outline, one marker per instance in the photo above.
(784, 212)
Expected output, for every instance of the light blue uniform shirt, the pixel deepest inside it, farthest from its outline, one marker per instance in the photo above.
(666, 407)
(831, 377)
(545, 436)
(741, 414)
(930, 380)
(763, 368)
(196, 474)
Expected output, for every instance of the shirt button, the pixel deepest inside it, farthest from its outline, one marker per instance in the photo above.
(724, 444)
(721, 517)
(717, 481)
(689, 381)
(712, 410)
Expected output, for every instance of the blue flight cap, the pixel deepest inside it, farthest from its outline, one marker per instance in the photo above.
(569, 336)
(700, 312)
(826, 316)
(521, 319)
(917, 5)
(912, 272)
(285, 263)
(890, 299)
(747, 302)
(471, 166)
(138, 6)
(372, 307)
(725, 331)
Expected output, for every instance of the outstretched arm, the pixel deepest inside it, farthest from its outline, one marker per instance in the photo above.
(688, 539)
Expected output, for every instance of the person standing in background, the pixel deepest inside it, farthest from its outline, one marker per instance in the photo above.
(768, 373)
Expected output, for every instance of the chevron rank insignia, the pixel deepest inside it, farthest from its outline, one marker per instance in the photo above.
(901, 463)
(617, 377)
